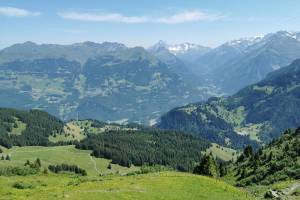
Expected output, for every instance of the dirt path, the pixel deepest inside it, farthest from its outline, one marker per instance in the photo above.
(291, 189)
(95, 165)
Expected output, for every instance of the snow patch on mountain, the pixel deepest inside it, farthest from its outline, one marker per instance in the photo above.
(183, 48)
(177, 49)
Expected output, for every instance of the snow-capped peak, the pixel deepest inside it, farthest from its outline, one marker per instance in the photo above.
(284, 34)
(244, 42)
(176, 48)
(183, 48)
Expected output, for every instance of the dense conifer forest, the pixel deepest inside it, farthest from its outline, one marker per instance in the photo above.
(277, 161)
(177, 150)
(37, 127)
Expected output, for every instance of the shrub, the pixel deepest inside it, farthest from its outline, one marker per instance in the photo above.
(22, 185)
(17, 171)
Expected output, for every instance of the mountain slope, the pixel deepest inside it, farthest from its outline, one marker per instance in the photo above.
(124, 145)
(188, 52)
(79, 52)
(260, 111)
(105, 81)
(180, 57)
(20, 128)
(239, 63)
(277, 161)
(135, 87)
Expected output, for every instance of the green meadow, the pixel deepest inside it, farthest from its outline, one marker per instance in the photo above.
(63, 154)
(103, 183)
(164, 185)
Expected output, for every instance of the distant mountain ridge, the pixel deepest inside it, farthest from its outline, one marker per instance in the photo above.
(237, 63)
(106, 81)
(174, 75)
(79, 52)
(187, 52)
(260, 111)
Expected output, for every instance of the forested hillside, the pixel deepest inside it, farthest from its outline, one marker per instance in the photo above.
(27, 128)
(141, 147)
(277, 161)
(124, 144)
(260, 112)
(106, 81)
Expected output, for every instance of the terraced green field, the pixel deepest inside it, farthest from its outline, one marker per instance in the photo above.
(166, 185)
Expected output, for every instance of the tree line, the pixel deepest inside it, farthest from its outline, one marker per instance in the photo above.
(39, 126)
(67, 168)
(180, 151)
(277, 161)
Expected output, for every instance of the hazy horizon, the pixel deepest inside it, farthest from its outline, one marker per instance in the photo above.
(132, 46)
(138, 23)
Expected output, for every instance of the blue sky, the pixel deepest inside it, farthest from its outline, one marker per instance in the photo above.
(141, 22)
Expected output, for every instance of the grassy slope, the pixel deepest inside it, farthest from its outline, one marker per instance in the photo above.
(20, 127)
(222, 153)
(76, 130)
(62, 154)
(72, 131)
(166, 185)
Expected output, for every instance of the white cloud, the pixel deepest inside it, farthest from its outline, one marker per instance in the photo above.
(101, 17)
(187, 16)
(17, 12)
(190, 16)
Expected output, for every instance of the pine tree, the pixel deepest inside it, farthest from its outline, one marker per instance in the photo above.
(7, 157)
(38, 163)
(207, 166)
(15, 125)
(248, 152)
(27, 163)
(270, 156)
(109, 166)
(45, 171)
(222, 170)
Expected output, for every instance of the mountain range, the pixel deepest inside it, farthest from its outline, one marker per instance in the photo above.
(238, 63)
(111, 82)
(260, 111)
(106, 81)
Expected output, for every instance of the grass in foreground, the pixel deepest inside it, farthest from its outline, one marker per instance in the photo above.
(166, 185)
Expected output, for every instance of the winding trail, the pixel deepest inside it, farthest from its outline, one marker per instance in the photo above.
(95, 165)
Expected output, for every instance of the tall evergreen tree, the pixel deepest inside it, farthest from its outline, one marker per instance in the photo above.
(207, 166)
